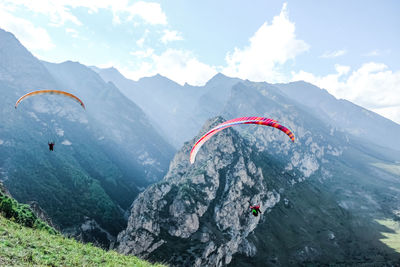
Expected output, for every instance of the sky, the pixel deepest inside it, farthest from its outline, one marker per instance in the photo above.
(350, 48)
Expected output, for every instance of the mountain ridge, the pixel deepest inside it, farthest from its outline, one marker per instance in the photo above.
(329, 197)
(92, 172)
(214, 94)
(198, 214)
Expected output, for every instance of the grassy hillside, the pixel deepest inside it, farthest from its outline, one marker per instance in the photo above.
(21, 246)
(27, 240)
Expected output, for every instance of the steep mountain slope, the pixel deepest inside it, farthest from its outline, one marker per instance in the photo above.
(118, 120)
(326, 195)
(169, 105)
(26, 240)
(341, 178)
(209, 100)
(103, 157)
(22, 213)
(202, 210)
(327, 198)
(344, 115)
(198, 215)
(18, 67)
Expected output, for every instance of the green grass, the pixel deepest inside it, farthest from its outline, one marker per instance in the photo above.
(21, 214)
(23, 246)
(391, 168)
(26, 240)
(391, 239)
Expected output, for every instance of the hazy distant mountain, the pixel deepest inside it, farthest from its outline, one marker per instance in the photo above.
(126, 129)
(187, 107)
(169, 105)
(19, 67)
(103, 157)
(344, 115)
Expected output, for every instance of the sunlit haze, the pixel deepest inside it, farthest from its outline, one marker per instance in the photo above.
(349, 48)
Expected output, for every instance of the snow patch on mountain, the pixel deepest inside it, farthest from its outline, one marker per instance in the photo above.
(33, 115)
(145, 159)
(59, 132)
(66, 142)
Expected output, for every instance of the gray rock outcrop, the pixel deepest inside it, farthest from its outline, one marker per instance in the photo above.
(203, 207)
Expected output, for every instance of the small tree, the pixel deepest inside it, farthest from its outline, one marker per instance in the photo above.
(6, 207)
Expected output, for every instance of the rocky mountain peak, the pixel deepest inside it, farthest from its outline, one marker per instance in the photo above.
(3, 189)
(19, 67)
(209, 124)
(204, 207)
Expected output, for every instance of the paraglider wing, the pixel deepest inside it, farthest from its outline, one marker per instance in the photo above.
(230, 123)
(52, 92)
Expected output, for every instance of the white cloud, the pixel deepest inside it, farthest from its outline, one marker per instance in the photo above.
(149, 12)
(72, 32)
(170, 36)
(60, 11)
(377, 53)
(106, 65)
(392, 113)
(32, 37)
(372, 53)
(270, 47)
(142, 53)
(182, 66)
(145, 69)
(333, 54)
(141, 41)
(372, 86)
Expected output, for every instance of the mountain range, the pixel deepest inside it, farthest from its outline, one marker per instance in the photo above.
(103, 156)
(121, 168)
(327, 198)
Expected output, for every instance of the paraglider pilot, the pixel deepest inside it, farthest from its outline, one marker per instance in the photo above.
(255, 210)
(51, 146)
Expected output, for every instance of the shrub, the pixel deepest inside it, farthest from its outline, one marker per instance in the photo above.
(22, 214)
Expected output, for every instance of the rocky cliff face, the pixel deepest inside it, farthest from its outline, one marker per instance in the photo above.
(42, 214)
(321, 202)
(3, 189)
(91, 232)
(199, 214)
